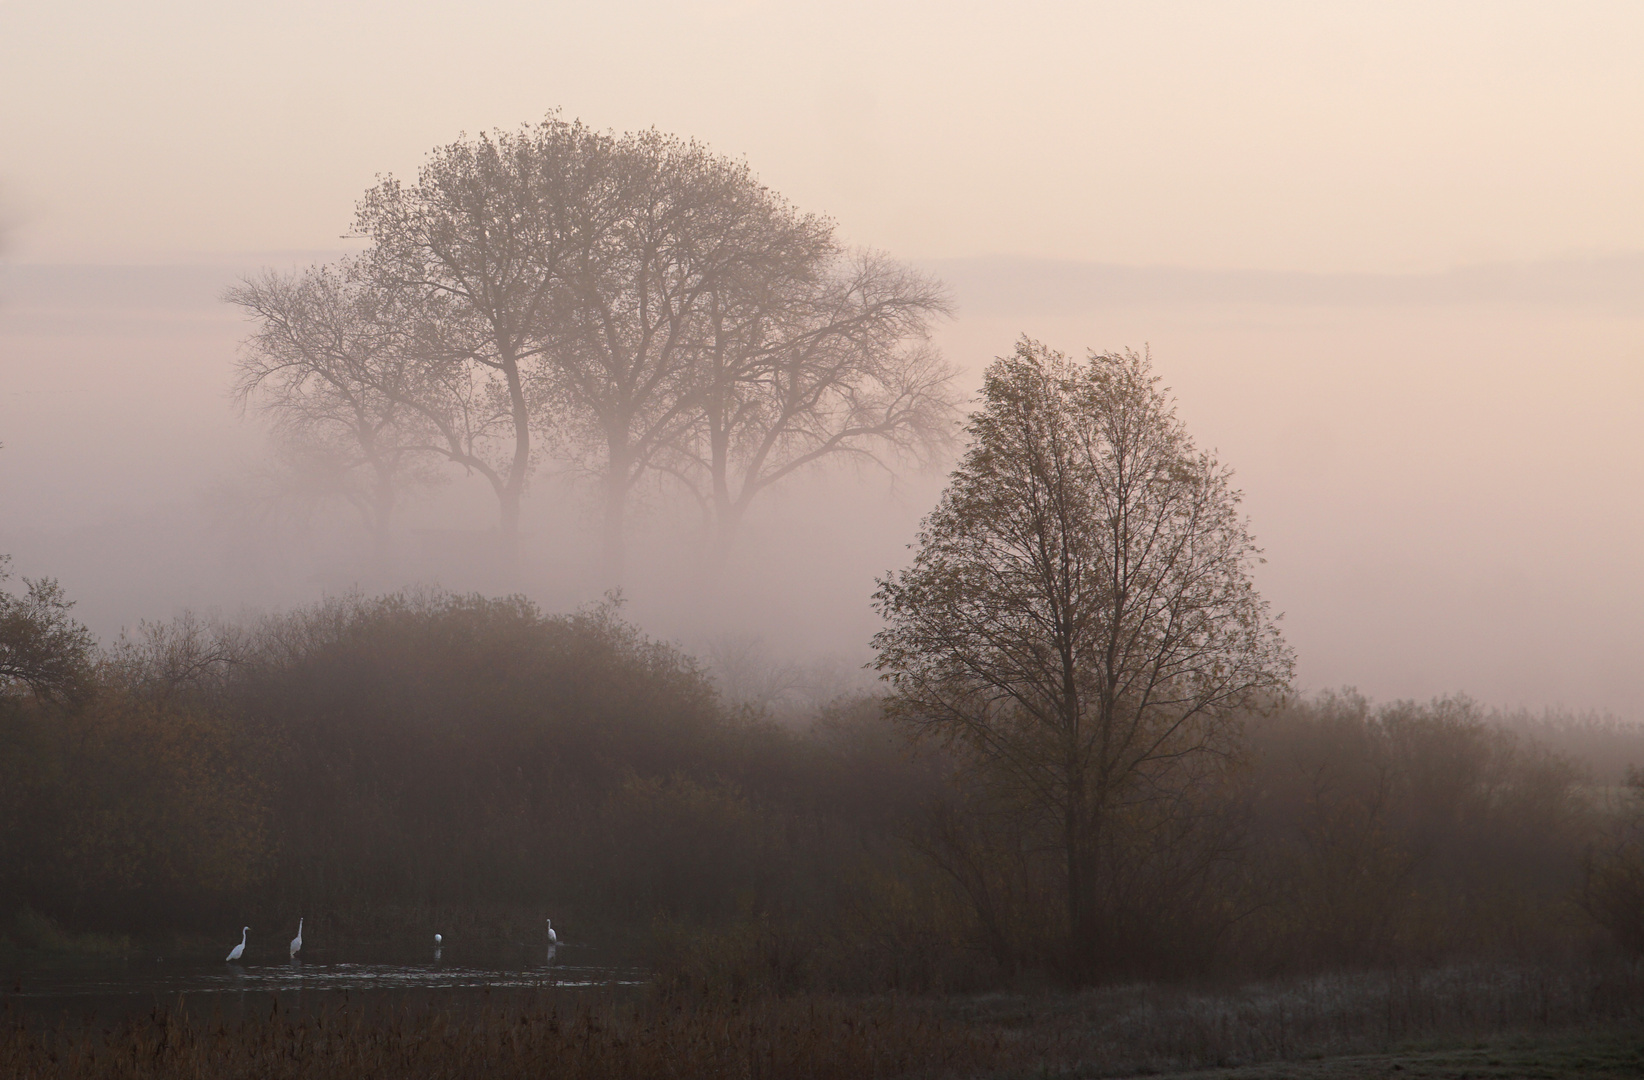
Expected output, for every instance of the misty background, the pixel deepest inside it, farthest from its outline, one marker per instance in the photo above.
(1391, 263)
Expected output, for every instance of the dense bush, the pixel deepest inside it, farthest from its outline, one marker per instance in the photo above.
(1613, 874)
(1406, 833)
(453, 749)
(366, 759)
(126, 811)
(429, 751)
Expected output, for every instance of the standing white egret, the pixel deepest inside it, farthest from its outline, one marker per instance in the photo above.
(297, 942)
(553, 938)
(239, 950)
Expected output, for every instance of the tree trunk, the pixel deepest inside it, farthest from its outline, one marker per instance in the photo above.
(726, 524)
(613, 553)
(727, 515)
(522, 460)
(508, 500)
(1078, 882)
(1074, 853)
(382, 532)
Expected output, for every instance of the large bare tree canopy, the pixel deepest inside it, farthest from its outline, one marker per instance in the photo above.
(1080, 615)
(677, 226)
(829, 359)
(476, 253)
(352, 411)
(635, 304)
(719, 335)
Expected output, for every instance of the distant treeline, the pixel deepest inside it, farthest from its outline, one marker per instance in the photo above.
(364, 759)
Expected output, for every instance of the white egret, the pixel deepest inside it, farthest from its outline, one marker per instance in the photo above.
(239, 950)
(553, 938)
(297, 942)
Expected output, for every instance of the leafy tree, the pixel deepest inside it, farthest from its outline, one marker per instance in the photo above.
(1079, 619)
(41, 646)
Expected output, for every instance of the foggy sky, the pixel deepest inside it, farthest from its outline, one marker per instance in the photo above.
(1300, 136)
(1390, 257)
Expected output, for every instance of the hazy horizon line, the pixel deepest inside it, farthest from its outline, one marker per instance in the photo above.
(1022, 284)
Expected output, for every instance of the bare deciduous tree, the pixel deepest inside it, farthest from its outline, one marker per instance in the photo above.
(477, 247)
(326, 365)
(673, 226)
(832, 360)
(642, 302)
(1079, 618)
(188, 655)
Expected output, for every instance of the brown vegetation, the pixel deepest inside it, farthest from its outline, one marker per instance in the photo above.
(1613, 878)
(373, 763)
(1116, 1031)
(1078, 631)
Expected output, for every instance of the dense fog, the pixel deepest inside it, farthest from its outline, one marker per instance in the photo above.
(1437, 466)
(709, 537)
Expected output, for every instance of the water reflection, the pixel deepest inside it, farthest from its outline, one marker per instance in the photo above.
(134, 981)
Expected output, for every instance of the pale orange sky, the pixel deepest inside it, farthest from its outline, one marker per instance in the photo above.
(1304, 136)
(1411, 314)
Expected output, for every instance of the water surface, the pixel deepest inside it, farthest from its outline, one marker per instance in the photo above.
(121, 986)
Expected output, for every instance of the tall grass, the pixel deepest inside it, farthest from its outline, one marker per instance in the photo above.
(592, 1039)
(1109, 1031)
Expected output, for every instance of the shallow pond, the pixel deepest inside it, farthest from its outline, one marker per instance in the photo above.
(107, 988)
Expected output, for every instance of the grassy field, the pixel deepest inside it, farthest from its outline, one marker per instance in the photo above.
(1444, 1023)
(1599, 1055)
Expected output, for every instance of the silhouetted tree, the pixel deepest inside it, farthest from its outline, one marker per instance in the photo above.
(828, 357)
(641, 302)
(356, 417)
(474, 255)
(675, 229)
(1079, 619)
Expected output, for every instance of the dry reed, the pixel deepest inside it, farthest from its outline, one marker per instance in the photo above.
(1109, 1031)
